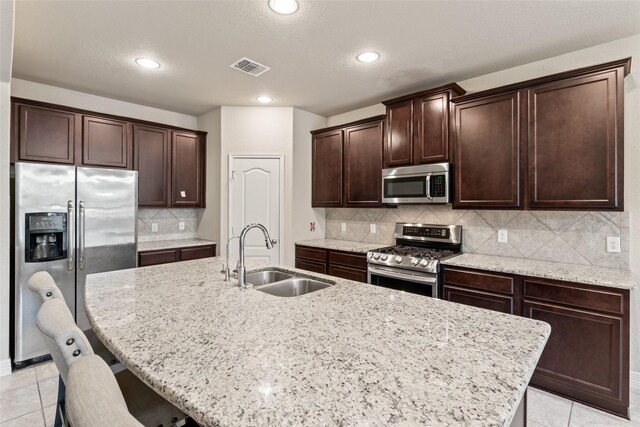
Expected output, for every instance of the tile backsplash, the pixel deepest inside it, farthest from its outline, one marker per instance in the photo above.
(168, 223)
(571, 237)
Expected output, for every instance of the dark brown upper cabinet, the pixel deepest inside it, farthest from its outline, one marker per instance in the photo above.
(575, 135)
(363, 164)
(486, 148)
(326, 169)
(187, 169)
(106, 142)
(418, 127)
(555, 142)
(44, 134)
(170, 161)
(151, 156)
(347, 164)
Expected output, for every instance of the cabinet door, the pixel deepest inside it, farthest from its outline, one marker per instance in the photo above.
(105, 142)
(326, 169)
(151, 154)
(486, 300)
(46, 135)
(187, 171)
(431, 128)
(316, 267)
(198, 252)
(583, 357)
(487, 145)
(354, 274)
(575, 142)
(363, 165)
(399, 143)
(147, 258)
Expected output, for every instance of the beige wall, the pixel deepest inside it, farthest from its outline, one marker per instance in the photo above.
(617, 49)
(72, 98)
(352, 116)
(209, 226)
(303, 213)
(6, 55)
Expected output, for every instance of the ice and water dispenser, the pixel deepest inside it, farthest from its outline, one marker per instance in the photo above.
(46, 236)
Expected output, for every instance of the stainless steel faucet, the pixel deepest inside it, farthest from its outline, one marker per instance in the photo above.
(227, 270)
(242, 273)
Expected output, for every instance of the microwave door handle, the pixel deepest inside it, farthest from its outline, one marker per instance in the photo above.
(428, 186)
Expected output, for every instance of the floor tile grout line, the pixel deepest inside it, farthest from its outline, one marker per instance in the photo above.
(24, 415)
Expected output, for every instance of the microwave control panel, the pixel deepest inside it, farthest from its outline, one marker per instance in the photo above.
(438, 186)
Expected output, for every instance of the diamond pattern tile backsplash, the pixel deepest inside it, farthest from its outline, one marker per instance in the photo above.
(571, 237)
(168, 221)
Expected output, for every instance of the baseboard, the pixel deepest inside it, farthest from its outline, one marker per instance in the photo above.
(634, 380)
(5, 367)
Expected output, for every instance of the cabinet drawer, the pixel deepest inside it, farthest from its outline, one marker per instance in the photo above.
(348, 273)
(197, 252)
(311, 253)
(314, 266)
(489, 301)
(574, 295)
(348, 259)
(477, 280)
(157, 257)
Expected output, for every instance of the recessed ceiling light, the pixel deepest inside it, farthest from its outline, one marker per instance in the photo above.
(264, 99)
(368, 56)
(147, 63)
(283, 7)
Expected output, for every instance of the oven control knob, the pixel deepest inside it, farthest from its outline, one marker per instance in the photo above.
(376, 256)
(398, 259)
(383, 258)
(414, 261)
(370, 254)
(424, 263)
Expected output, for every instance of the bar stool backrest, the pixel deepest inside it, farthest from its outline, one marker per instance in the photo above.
(44, 286)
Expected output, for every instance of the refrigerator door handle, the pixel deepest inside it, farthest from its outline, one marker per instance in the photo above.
(71, 239)
(82, 221)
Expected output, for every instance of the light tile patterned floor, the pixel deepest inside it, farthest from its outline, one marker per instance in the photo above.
(28, 396)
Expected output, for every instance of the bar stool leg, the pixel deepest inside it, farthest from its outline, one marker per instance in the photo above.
(59, 422)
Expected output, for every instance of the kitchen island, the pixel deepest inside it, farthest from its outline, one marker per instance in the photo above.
(351, 354)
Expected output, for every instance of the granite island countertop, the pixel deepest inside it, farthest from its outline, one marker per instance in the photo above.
(587, 274)
(173, 244)
(342, 245)
(351, 354)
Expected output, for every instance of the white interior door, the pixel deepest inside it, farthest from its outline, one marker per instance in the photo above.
(255, 192)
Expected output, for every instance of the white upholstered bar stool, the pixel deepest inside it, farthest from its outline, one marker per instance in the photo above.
(93, 396)
(68, 344)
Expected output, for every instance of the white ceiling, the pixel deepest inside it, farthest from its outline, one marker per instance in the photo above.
(91, 46)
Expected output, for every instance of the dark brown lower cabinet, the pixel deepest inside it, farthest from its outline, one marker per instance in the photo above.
(587, 355)
(164, 256)
(346, 265)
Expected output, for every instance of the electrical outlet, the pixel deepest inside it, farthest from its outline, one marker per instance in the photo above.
(613, 244)
(181, 225)
(372, 228)
(503, 236)
(154, 227)
(343, 226)
(312, 226)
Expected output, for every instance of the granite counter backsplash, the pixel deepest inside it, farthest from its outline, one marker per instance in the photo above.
(568, 237)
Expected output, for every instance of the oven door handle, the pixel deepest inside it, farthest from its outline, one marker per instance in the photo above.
(398, 275)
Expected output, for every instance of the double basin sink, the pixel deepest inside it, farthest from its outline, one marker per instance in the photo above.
(283, 284)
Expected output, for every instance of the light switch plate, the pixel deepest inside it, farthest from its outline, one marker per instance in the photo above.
(181, 225)
(613, 244)
(503, 236)
(154, 227)
(183, 194)
(372, 228)
(343, 226)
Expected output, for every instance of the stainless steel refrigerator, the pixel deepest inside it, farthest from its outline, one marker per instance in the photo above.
(70, 221)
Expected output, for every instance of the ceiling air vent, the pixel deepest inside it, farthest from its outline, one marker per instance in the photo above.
(249, 66)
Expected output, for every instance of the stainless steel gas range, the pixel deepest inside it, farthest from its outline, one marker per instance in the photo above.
(413, 264)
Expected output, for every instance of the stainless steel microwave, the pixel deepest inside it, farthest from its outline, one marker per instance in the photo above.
(416, 184)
